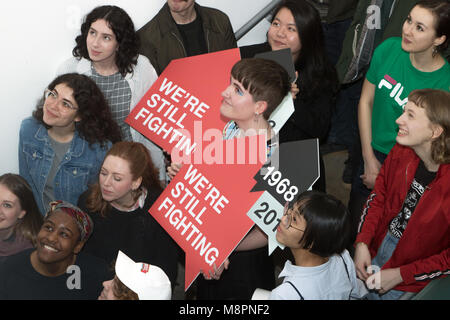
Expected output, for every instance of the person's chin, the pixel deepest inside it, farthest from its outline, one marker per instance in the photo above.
(224, 111)
(402, 141)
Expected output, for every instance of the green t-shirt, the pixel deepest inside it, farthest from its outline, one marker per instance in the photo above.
(394, 78)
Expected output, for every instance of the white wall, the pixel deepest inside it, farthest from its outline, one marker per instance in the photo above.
(37, 36)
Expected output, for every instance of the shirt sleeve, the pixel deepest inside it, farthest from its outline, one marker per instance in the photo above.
(230, 39)
(378, 56)
(146, 77)
(427, 269)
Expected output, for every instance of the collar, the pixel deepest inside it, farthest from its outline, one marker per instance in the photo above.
(291, 270)
(84, 67)
(139, 203)
(76, 146)
(408, 154)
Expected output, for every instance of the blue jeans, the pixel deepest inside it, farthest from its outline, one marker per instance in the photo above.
(384, 254)
(357, 183)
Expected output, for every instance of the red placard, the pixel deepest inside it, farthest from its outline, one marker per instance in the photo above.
(204, 207)
(188, 91)
(204, 210)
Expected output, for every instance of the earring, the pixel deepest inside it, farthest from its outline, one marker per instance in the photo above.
(256, 118)
(435, 52)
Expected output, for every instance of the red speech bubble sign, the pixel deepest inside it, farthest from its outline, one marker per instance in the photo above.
(204, 207)
(204, 210)
(189, 90)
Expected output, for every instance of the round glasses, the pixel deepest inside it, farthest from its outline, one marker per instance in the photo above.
(287, 222)
(64, 103)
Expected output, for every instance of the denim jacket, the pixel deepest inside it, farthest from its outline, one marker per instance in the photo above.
(79, 167)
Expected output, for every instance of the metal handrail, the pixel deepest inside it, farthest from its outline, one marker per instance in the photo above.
(256, 19)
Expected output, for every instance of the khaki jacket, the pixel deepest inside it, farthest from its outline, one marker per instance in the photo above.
(161, 41)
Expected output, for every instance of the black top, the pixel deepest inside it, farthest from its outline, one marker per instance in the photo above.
(422, 179)
(311, 118)
(136, 233)
(19, 280)
(193, 37)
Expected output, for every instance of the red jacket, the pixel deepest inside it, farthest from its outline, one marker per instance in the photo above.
(423, 252)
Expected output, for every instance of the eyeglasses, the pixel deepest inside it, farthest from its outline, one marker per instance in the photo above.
(288, 221)
(66, 105)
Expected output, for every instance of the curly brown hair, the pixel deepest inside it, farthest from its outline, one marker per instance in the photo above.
(96, 124)
(122, 26)
(122, 292)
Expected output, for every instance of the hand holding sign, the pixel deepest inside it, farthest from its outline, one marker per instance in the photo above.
(204, 215)
(203, 208)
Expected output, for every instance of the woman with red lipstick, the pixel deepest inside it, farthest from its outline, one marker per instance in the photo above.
(56, 270)
(107, 52)
(405, 225)
(296, 25)
(398, 66)
(63, 145)
(127, 187)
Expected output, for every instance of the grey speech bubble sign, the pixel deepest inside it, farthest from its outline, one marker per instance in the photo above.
(266, 213)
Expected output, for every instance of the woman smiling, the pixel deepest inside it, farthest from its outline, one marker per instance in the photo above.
(55, 270)
(404, 226)
(62, 146)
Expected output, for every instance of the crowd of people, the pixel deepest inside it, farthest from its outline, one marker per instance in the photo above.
(87, 179)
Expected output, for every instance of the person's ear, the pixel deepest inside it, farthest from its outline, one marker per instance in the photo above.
(261, 107)
(22, 214)
(437, 131)
(78, 247)
(439, 40)
(136, 183)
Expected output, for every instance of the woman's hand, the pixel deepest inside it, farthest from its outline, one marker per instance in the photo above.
(217, 271)
(371, 169)
(362, 260)
(384, 280)
(173, 169)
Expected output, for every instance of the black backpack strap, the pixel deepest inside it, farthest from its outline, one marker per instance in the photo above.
(348, 275)
(295, 288)
(346, 269)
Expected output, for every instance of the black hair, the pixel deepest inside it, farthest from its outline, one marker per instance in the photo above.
(122, 26)
(316, 72)
(328, 223)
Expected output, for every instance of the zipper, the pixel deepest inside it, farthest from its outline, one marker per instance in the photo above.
(207, 40)
(181, 43)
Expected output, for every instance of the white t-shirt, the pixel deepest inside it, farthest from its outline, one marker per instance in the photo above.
(328, 281)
